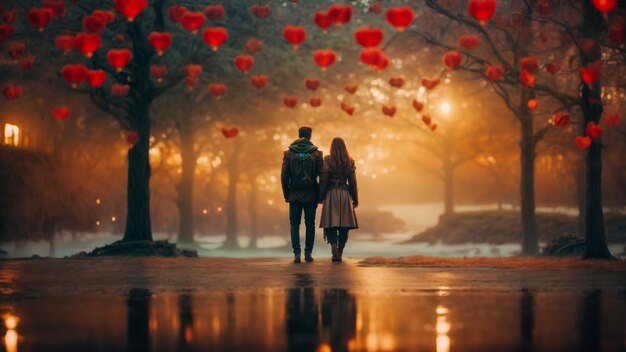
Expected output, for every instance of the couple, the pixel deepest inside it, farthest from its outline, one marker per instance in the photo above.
(308, 179)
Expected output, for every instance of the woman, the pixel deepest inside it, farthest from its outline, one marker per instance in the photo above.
(340, 197)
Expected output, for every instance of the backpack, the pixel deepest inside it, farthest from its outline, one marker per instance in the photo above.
(302, 168)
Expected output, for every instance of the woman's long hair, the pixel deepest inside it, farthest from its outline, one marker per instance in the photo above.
(340, 161)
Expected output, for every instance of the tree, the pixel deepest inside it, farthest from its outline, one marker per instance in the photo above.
(508, 41)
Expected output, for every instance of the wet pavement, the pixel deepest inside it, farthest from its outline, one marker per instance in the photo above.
(272, 305)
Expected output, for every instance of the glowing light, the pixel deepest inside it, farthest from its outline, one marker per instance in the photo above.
(113, 218)
(203, 160)
(270, 202)
(98, 223)
(188, 334)
(443, 327)
(10, 321)
(219, 209)
(443, 343)
(205, 211)
(323, 347)
(380, 342)
(12, 135)
(98, 201)
(10, 341)
(445, 107)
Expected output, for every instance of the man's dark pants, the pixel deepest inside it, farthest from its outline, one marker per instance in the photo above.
(295, 218)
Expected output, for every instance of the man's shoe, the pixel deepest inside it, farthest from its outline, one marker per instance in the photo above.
(296, 259)
(307, 257)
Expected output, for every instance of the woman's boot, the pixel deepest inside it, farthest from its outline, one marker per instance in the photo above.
(335, 251)
(342, 245)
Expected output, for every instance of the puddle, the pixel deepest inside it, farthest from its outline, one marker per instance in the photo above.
(309, 318)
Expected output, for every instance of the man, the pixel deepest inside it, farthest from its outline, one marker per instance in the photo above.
(301, 170)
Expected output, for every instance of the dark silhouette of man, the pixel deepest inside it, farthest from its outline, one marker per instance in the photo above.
(300, 174)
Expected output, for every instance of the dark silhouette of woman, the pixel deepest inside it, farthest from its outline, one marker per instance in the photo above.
(339, 194)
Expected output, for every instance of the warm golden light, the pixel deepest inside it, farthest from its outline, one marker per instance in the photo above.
(11, 336)
(442, 328)
(10, 341)
(98, 201)
(323, 347)
(205, 211)
(443, 343)
(12, 135)
(445, 107)
(10, 321)
(113, 218)
(219, 209)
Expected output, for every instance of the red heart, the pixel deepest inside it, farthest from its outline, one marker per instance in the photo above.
(400, 17)
(312, 83)
(214, 12)
(295, 35)
(594, 131)
(396, 82)
(119, 58)
(192, 21)
(160, 41)
(583, 142)
(217, 90)
(61, 113)
(230, 132)
(87, 43)
(96, 78)
(290, 101)
(215, 37)
(260, 11)
(258, 81)
(324, 58)
(389, 110)
(130, 8)
(315, 102)
(244, 62)
(368, 37)
(482, 10)
(452, 59)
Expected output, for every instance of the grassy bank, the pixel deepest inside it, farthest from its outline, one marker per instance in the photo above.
(500, 227)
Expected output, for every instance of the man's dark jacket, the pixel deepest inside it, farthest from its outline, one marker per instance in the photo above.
(301, 145)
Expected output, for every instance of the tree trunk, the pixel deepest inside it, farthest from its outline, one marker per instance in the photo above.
(185, 187)
(185, 316)
(254, 214)
(527, 318)
(138, 319)
(138, 226)
(530, 245)
(448, 177)
(591, 104)
(232, 226)
(580, 197)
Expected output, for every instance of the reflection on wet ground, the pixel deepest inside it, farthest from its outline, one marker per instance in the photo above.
(308, 318)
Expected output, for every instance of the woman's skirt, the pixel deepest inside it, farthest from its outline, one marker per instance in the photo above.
(338, 210)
